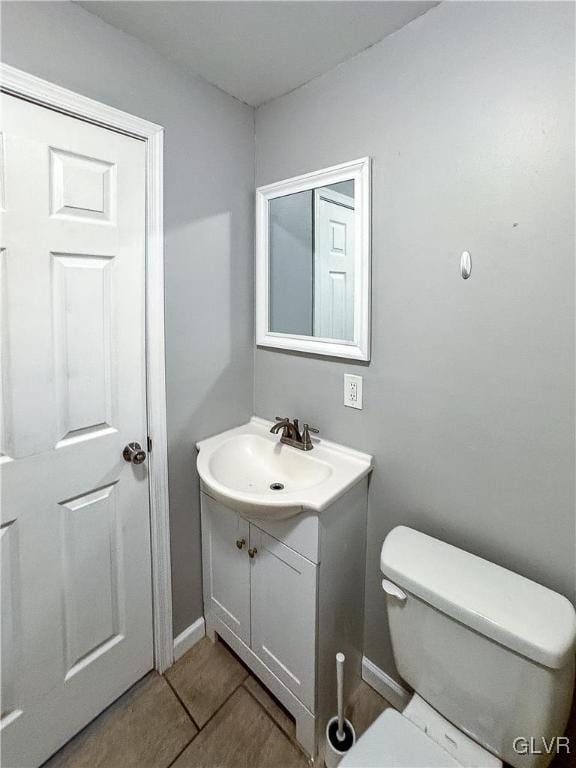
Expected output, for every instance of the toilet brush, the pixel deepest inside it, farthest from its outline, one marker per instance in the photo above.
(340, 734)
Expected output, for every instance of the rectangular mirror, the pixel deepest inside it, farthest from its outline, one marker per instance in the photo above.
(313, 262)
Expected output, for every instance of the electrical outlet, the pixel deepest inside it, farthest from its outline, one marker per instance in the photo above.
(352, 391)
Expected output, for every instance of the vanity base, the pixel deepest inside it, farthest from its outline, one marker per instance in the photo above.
(287, 596)
(305, 721)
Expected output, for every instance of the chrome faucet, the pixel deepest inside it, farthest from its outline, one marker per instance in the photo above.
(291, 433)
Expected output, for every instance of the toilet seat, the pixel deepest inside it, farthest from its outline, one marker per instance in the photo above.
(393, 741)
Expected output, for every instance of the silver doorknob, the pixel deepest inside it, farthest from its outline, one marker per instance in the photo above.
(133, 453)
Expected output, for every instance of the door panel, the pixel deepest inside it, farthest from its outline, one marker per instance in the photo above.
(284, 629)
(333, 265)
(11, 620)
(74, 515)
(91, 546)
(82, 187)
(225, 566)
(82, 342)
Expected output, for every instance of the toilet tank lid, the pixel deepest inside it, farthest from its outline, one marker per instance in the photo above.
(518, 613)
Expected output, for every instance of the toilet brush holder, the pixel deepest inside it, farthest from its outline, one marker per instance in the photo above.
(340, 734)
(336, 748)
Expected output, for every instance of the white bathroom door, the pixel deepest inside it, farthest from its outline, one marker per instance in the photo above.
(334, 222)
(76, 566)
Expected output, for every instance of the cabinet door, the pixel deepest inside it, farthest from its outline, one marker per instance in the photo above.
(283, 587)
(225, 566)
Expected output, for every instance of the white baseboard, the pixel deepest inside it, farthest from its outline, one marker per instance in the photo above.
(189, 637)
(385, 685)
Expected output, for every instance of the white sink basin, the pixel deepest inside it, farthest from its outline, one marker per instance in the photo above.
(250, 470)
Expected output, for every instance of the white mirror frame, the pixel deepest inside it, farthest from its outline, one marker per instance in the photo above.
(359, 348)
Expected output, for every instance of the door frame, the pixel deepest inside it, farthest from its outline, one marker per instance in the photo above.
(23, 85)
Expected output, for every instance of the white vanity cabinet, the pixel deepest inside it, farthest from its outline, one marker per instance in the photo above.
(286, 596)
(264, 592)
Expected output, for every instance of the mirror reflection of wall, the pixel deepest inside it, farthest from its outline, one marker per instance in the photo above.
(311, 242)
(291, 268)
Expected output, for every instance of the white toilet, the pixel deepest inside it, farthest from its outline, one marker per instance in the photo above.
(490, 656)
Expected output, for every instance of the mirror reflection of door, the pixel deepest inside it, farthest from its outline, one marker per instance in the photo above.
(334, 261)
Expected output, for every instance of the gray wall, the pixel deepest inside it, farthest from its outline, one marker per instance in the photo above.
(469, 397)
(209, 182)
(469, 411)
(291, 268)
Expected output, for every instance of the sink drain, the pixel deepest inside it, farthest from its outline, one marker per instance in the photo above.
(277, 486)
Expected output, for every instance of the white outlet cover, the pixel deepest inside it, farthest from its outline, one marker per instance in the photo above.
(352, 391)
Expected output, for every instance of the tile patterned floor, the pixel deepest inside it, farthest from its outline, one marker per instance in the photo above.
(207, 711)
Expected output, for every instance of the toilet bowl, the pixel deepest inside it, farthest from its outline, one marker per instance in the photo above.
(393, 741)
(489, 654)
(419, 737)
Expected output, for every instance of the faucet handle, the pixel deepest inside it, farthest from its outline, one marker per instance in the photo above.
(281, 418)
(307, 442)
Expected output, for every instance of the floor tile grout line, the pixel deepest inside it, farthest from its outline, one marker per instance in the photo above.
(241, 684)
(181, 752)
(186, 710)
(228, 697)
(251, 674)
(292, 739)
(213, 715)
(226, 700)
(276, 723)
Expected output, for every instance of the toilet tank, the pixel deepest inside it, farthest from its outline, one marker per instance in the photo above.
(490, 650)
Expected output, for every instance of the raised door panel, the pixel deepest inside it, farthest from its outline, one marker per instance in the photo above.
(11, 617)
(91, 577)
(28, 404)
(82, 343)
(5, 449)
(283, 589)
(2, 172)
(225, 564)
(81, 186)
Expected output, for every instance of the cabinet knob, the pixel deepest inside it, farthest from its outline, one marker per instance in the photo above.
(240, 543)
(252, 552)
